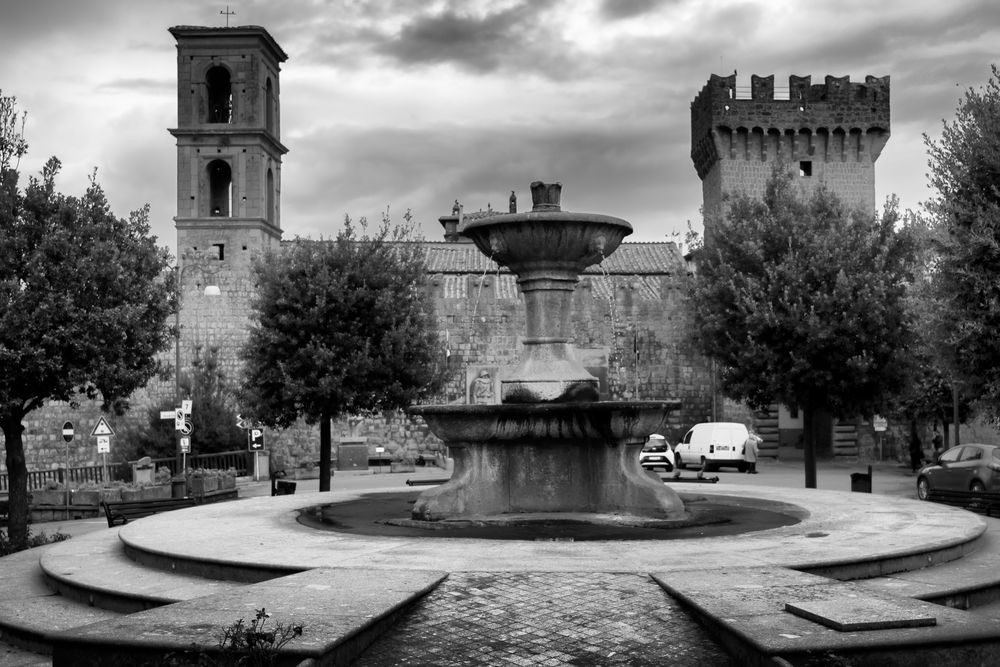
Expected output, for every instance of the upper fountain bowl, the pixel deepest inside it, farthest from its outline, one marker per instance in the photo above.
(547, 237)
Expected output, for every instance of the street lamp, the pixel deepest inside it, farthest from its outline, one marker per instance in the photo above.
(210, 290)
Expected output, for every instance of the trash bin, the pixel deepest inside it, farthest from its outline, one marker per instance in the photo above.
(178, 488)
(862, 482)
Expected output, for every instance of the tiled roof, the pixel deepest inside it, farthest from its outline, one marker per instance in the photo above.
(630, 259)
(458, 286)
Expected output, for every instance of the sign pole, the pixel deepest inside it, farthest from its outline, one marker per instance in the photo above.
(67, 432)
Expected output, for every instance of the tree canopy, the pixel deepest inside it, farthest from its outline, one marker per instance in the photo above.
(965, 173)
(801, 301)
(83, 302)
(339, 327)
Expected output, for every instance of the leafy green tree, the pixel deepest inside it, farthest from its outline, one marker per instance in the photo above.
(340, 327)
(800, 301)
(965, 172)
(83, 302)
(213, 414)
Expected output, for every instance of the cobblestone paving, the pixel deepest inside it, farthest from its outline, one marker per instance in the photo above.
(546, 618)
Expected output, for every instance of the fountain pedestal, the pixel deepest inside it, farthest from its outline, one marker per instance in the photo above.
(551, 447)
(580, 458)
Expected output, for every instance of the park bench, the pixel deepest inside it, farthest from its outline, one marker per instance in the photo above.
(124, 511)
(984, 503)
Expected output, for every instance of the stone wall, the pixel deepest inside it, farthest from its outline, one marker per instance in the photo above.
(480, 319)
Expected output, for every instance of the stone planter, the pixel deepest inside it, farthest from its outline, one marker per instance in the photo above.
(227, 482)
(90, 497)
(48, 497)
(131, 495)
(199, 486)
(400, 466)
(156, 492)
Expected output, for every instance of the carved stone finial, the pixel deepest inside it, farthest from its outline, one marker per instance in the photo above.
(546, 196)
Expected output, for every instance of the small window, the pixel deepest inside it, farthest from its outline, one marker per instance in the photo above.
(221, 248)
(971, 454)
(805, 169)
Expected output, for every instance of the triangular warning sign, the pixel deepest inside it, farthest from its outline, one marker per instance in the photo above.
(102, 428)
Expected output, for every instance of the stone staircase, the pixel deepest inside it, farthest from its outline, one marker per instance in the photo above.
(73, 602)
(51, 599)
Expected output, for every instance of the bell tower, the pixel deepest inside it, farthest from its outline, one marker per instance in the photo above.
(228, 181)
(228, 143)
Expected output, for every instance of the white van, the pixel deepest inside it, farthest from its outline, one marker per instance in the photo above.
(712, 445)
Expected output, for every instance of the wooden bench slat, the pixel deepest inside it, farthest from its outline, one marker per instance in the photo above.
(125, 511)
(985, 502)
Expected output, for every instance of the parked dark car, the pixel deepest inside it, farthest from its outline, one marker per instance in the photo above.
(972, 467)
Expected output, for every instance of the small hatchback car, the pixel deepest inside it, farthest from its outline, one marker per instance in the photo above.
(656, 454)
(972, 467)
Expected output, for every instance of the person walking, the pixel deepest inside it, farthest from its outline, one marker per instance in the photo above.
(750, 450)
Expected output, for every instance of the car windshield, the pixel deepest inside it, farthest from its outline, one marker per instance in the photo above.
(951, 455)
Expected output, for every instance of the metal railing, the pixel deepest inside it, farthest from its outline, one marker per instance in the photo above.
(37, 479)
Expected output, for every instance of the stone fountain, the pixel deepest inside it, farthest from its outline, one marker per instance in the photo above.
(551, 449)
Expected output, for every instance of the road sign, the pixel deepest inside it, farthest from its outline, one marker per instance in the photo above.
(186, 406)
(186, 428)
(168, 414)
(241, 423)
(185, 445)
(179, 419)
(68, 431)
(880, 423)
(102, 428)
(103, 444)
(255, 437)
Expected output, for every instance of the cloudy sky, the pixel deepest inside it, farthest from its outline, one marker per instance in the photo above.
(414, 103)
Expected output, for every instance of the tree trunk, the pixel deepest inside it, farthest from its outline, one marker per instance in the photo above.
(17, 479)
(809, 445)
(325, 449)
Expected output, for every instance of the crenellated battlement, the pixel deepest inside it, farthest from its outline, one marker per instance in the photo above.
(831, 132)
(836, 108)
(834, 89)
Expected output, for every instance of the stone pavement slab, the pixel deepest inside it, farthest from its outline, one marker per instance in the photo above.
(29, 609)
(546, 618)
(873, 535)
(971, 581)
(746, 608)
(341, 611)
(91, 568)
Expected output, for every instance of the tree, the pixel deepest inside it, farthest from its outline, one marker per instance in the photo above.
(83, 303)
(965, 172)
(340, 327)
(801, 301)
(213, 414)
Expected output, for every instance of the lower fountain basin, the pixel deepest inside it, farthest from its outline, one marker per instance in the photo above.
(579, 458)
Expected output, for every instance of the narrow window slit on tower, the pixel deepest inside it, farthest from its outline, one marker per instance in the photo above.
(222, 250)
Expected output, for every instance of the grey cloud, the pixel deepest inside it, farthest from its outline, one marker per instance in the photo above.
(517, 37)
(614, 10)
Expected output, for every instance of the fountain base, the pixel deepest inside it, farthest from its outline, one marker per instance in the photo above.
(565, 458)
